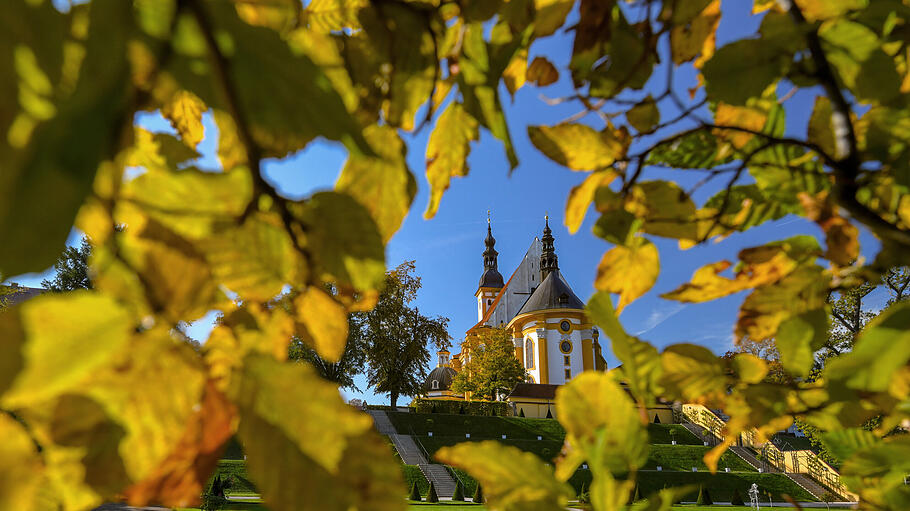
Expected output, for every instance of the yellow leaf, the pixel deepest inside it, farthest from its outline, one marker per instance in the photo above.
(666, 209)
(761, 313)
(325, 321)
(384, 184)
(20, 467)
(693, 373)
(179, 480)
(258, 329)
(815, 10)
(288, 397)
(67, 337)
(330, 15)
(255, 259)
(184, 111)
(820, 131)
(342, 240)
(516, 72)
(628, 270)
(602, 421)
(279, 15)
(542, 72)
(231, 151)
(747, 117)
(577, 146)
(749, 368)
(512, 480)
(581, 197)
(550, 15)
(447, 151)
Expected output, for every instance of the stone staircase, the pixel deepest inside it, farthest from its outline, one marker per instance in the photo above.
(808, 484)
(695, 429)
(412, 453)
(747, 456)
(440, 477)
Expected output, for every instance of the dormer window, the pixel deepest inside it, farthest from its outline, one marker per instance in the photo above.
(563, 299)
(434, 385)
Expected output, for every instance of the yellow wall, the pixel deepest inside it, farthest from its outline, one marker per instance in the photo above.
(534, 408)
(544, 366)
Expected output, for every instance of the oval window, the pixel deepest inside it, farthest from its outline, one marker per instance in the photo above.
(565, 346)
(565, 326)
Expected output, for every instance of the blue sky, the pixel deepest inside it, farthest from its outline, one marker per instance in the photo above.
(448, 248)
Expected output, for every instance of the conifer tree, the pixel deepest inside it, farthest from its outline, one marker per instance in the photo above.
(458, 495)
(478, 494)
(431, 495)
(704, 498)
(415, 493)
(737, 498)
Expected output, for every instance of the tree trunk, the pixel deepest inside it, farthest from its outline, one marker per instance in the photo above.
(393, 398)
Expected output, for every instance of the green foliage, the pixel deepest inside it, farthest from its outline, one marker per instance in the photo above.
(478, 497)
(431, 493)
(737, 498)
(492, 370)
(477, 408)
(71, 269)
(92, 372)
(414, 495)
(396, 336)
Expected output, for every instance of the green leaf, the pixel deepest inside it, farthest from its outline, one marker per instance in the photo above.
(799, 337)
(743, 69)
(696, 150)
(550, 15)
(617, 226)
(478, 84)
(384, 184)
(447, 151)
(856, 53)
(641, 367)
(513, 480)
(278, 120)
(330, 15)
(325, 320)
(882, 349)
(54, 172)
(577, 146)
(843, 443)
(692, 373)
(763, 311)
(644, 116)
(343, 240)
(666, 209)
(67, 337)
(815, 10)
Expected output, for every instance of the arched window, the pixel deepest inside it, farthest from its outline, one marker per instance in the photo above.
(435, 384)
(529, 353)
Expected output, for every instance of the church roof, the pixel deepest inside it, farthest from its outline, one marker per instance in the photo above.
(18, 294)
(443, 375)
(491, 278)
(534, 391)
(553, 293)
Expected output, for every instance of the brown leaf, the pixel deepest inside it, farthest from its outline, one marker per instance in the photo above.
(542, 72)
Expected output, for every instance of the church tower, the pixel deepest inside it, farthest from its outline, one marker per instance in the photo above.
(548, 262)
(491, 280)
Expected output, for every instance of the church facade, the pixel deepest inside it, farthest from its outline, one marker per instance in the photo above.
(552, 336)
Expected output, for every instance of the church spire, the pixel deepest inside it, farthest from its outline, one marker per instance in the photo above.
(491, 276)
(489, 255)
(548, 261)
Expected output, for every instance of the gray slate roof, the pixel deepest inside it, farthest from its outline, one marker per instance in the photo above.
(553, 293)
(444, 374)
(20, 294)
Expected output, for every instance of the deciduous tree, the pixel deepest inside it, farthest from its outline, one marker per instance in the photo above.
(492, 369)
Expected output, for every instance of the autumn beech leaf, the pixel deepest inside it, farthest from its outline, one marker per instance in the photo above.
(325, 321)
(512, 479)
(57, 330)
(768, 306)
(577, 146)
(696, 38)
(550, 15)
(447, 151)
(752, 117)
(629, 271)
(329, 15)
(799, 337)
(542, 72)
(581, 197)
(743, 69)
(644, 116)
(666, 209)
(517, 72)
(692, 373)
(613, 438)
(820, 131)
(20, 467)
(184, 111)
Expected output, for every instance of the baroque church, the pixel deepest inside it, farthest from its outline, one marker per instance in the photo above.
(553, 337)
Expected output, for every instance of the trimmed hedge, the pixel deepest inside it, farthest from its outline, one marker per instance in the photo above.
(490, 408)
(684, 457)
(660, 434)
(235, 470)
(413, 475)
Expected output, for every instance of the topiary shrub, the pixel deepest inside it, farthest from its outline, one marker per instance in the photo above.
(459, 492)
(736, 499)
(634, 497)
(431, 495)
(704, 498)
(521, 412)
(478, 495)
(415, 493)
(549, 414)
(583, 496)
